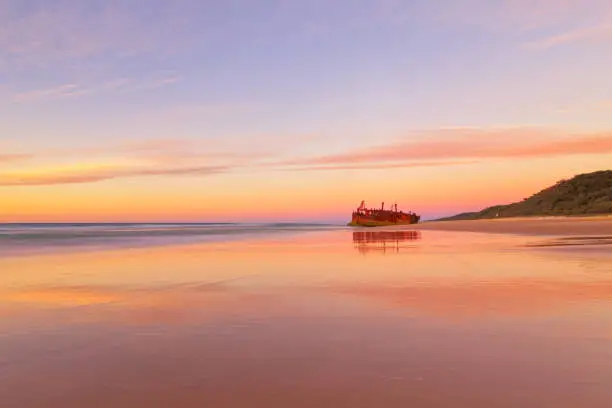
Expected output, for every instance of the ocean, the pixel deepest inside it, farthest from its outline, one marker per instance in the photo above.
(36, 237)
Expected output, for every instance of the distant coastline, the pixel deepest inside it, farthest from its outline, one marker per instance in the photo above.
(587, 194)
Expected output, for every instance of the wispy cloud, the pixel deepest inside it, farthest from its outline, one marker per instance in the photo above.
(464, 144)
(507, 15)
(517, 16)
(61, 91)
(91, 175)
(144, 158)
(72, 90)
(601, 106)
(547, 23)
(40, 34)
(381, 166)
(158, 83)
(10, 158)
(597, 32)
(186, 111)
(182, 157)
(169, 150)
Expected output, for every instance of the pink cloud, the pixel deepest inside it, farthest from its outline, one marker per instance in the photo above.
(466, 144)
(382, 166)
(181, 157)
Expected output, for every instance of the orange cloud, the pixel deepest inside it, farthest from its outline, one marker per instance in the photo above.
(89, 175)
(153, 157)
(5, 158)
(459, 144)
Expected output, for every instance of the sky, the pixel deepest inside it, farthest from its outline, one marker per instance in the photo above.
(287, 110)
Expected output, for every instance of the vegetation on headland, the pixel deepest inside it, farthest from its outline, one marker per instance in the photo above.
(585, 194)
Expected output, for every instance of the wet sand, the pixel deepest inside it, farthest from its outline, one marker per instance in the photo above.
(348, 318)
(598, 225)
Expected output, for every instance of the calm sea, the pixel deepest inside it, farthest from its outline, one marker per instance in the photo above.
(28, 237)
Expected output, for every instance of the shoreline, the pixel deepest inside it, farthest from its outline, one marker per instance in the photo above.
(544, 225)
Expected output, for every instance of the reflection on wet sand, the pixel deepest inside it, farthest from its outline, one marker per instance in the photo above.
(383, 241)
(464, 321)
(174, 304)
(574, 241)
(520, 297)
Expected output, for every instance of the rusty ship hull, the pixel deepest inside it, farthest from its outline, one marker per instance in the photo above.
(367, 217)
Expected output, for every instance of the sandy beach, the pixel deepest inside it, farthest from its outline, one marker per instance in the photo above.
(304, 318)
(596, 225)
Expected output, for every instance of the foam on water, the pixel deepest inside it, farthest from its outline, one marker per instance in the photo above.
(20, 237)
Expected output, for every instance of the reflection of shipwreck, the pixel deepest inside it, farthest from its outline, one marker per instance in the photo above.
(383, 241)
(378, 217)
